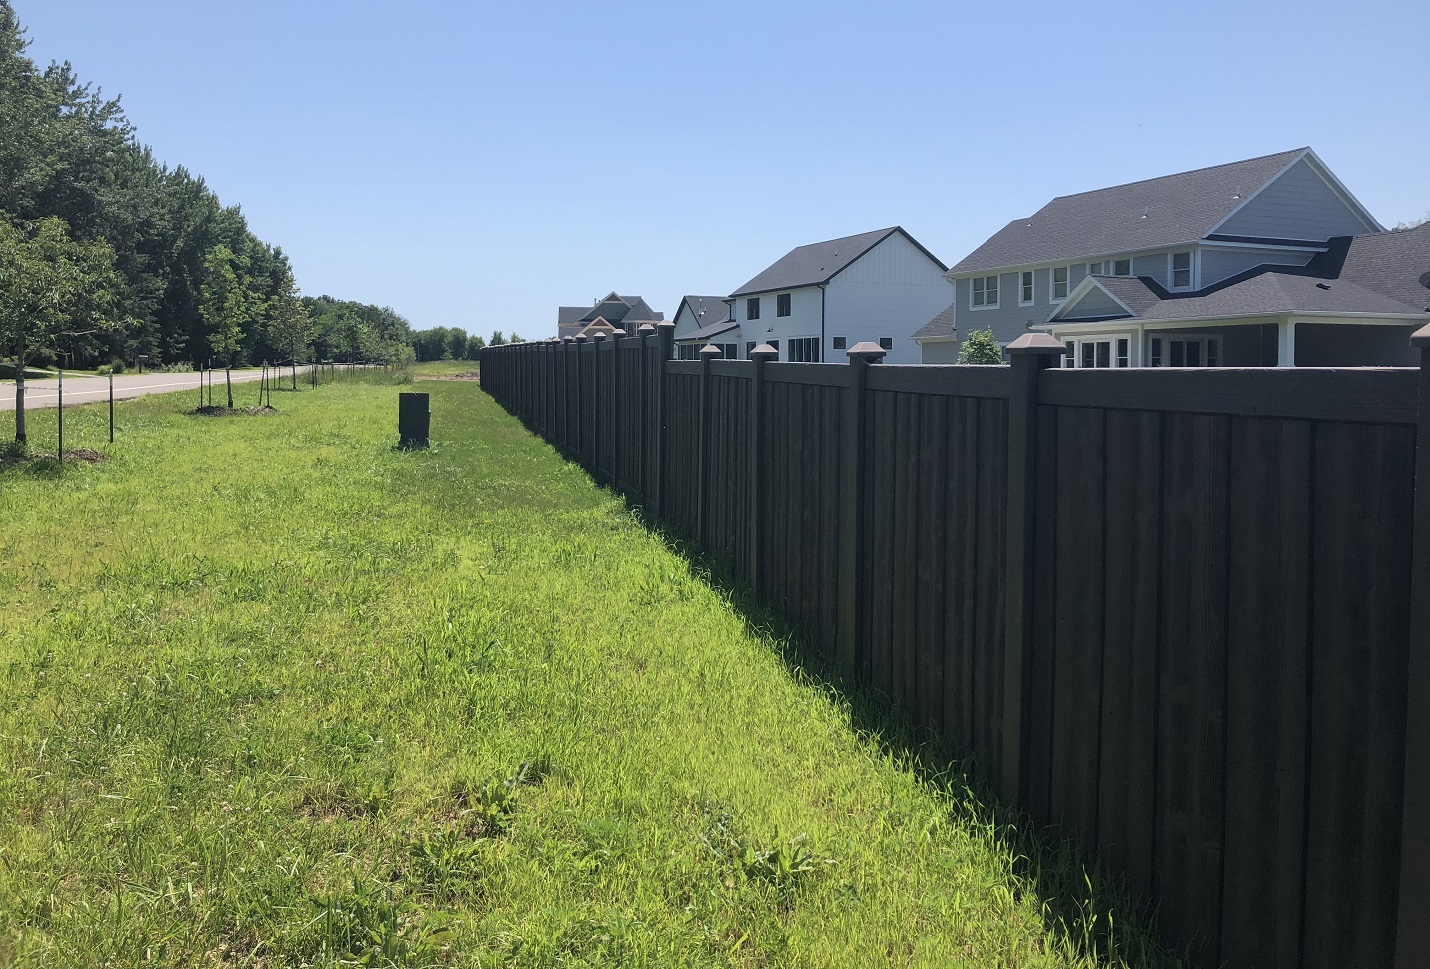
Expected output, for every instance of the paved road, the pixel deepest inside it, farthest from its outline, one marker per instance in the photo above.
(89, 390)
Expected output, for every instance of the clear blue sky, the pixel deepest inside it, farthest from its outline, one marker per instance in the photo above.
(476, 165)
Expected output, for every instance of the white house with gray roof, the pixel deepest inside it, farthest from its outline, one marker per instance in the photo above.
(818, 300)
(1269, 261)
(701, 320)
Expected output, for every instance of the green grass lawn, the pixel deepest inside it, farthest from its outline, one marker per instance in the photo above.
(275, 694)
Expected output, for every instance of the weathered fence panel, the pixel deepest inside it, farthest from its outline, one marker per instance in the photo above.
(1172, 611)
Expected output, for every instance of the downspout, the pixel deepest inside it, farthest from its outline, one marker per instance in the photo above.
(821, 322)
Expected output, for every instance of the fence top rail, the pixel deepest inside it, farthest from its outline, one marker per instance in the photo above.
(690, 367)
(1362, 395)
(741, 369)
(952, 380)
(819, 374)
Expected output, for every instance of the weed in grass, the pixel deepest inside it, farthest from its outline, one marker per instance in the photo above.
(368, 927)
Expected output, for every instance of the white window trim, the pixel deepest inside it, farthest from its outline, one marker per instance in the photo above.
(1101, 265)
(1203, 338)
(1053, 296)
(1131, 267)
(1032, 287)
(1191, 270)
(1109, 338)
(985, 306)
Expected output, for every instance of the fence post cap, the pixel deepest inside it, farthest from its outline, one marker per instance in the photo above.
(599, 335)
(568, 339)
(866, 351)
(764, 352)
(709, 351)
(665, 325)
(1037, 343)
(1421, 337)
(617, 333)
(581, 338)
(646, 328)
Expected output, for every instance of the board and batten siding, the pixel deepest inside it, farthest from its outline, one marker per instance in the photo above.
(891, 291)
(1298, 204)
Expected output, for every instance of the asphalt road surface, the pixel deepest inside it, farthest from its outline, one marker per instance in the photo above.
(88, 390)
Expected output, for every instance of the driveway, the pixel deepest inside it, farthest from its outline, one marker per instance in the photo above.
(44, 392)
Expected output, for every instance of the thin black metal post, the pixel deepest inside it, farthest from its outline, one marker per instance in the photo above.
(111, 408)
(1413, 926)
(853, 558)
(1031, 354)
(61, 416)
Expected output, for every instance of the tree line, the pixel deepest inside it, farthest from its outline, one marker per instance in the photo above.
(453, 343)
(108, 256)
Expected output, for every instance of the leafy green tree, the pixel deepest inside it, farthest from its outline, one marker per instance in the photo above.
(474, 343)
(980, 347)
(290, 329)
(516, 339)
(53, 290)
(498, 339)
(227, 306)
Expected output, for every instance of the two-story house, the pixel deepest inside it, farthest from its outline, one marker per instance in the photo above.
(620, 312)
(817, 301)
(1262, 262)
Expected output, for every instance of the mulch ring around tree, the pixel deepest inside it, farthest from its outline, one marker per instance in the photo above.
(10, 457)
(214, 410)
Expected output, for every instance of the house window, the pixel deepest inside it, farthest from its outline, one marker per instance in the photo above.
(886, 343)
(1059, 284)
(750, 349)
(985, 292)
(775, 346)
(782, 304)
(752, 308)
(729, 351)
(1185, 351)
(804, 349)
(1099, 353)
(1025, 288)
(1181, 270)
(1122, 267)
(839, 343)
(1094, 269)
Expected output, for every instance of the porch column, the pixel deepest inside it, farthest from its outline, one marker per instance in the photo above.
(1286, 344)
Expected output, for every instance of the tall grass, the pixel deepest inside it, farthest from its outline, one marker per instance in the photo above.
(274, 693)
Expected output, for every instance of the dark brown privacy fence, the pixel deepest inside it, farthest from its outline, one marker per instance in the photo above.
(1170, 610)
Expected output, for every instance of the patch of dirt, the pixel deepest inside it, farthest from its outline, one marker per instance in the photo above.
(464, 375)
(10, 457)
(215, 410)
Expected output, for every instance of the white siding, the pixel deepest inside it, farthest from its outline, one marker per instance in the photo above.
(1218, 264)
(891, 291)
(1299, 204)
(944, 351)
(803, 320)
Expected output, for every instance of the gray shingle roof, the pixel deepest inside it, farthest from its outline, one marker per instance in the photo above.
(939, 328)
(819, 262)
(1391, 263)
(711, 330)
(1275, 293)
(706, 309)
(1179, 209)
(1133, 291)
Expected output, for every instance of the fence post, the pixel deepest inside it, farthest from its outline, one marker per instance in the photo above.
(702, 474)
(618, 416)
(1031, 353)
(598, 387)
(644, 331)
(1413, 927)
(758, 451)
(853, 557)
(566, 394)
(665, 339)
(579, 404)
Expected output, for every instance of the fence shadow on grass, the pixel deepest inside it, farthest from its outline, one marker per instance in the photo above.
(1089, 911)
